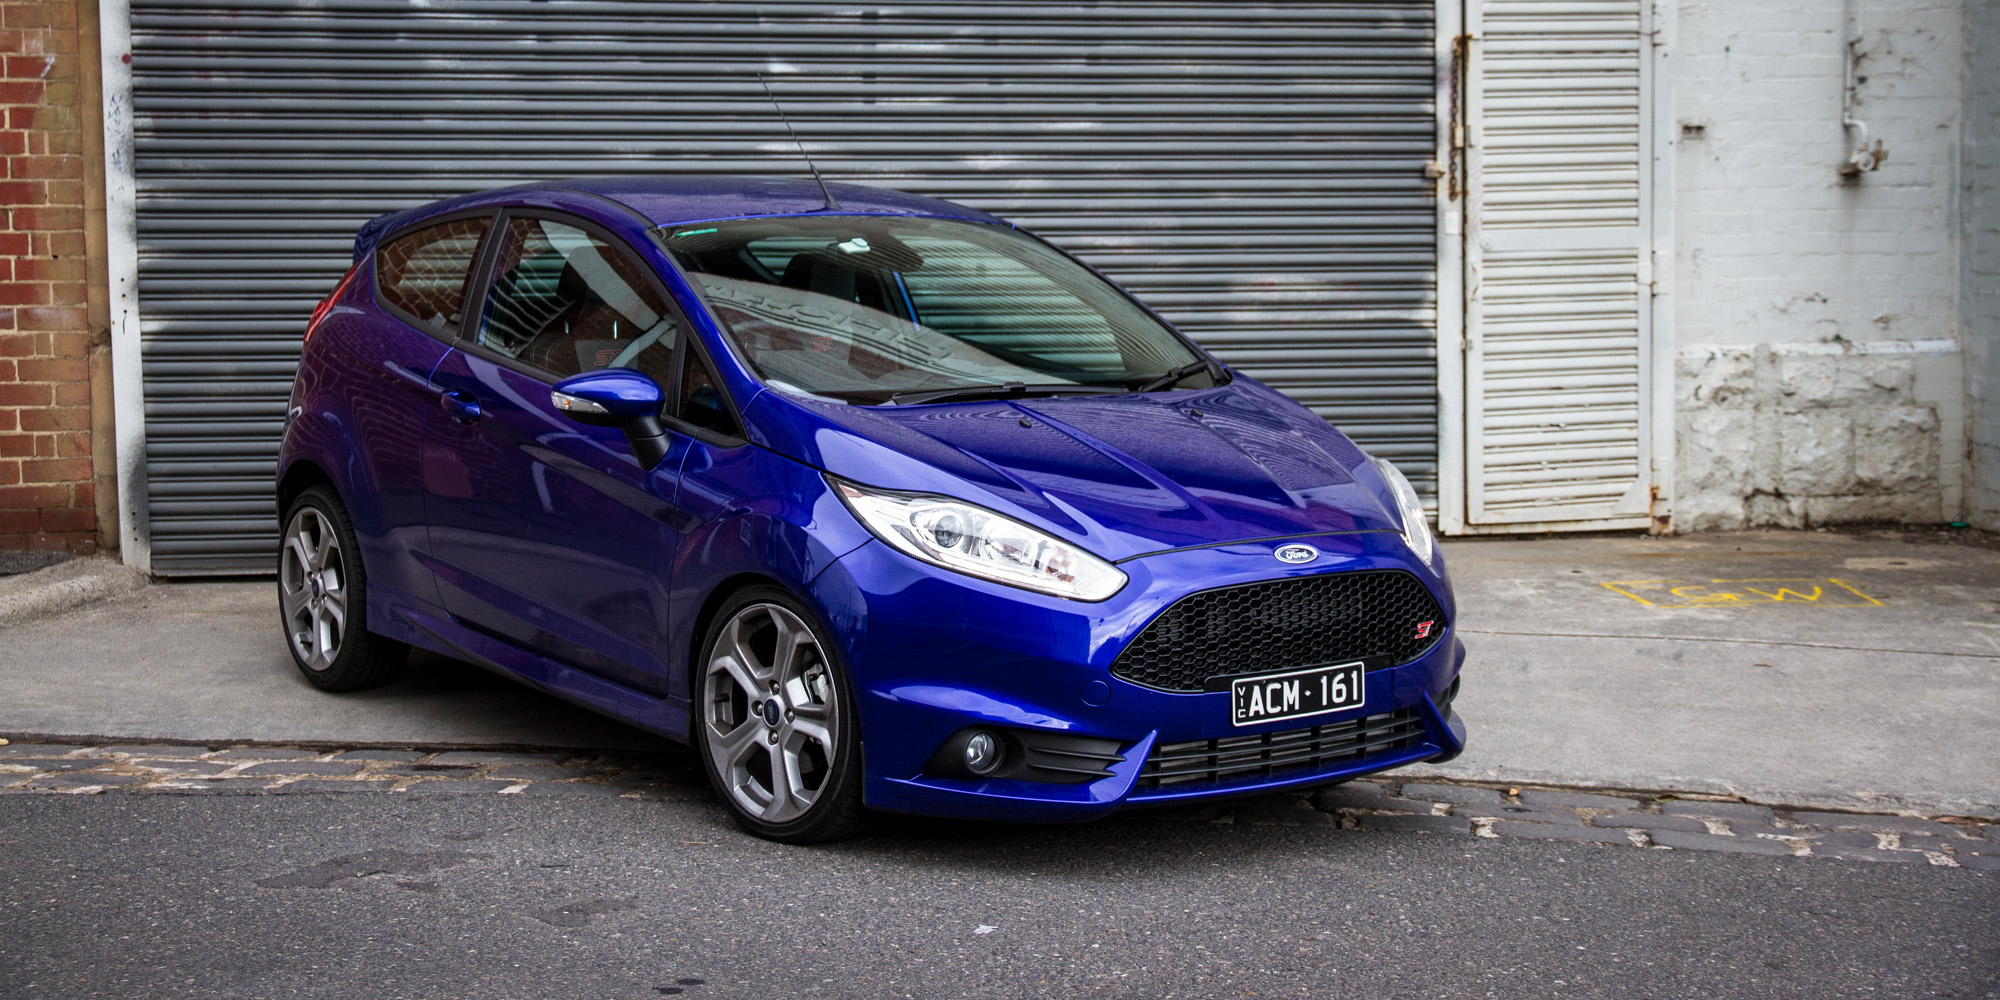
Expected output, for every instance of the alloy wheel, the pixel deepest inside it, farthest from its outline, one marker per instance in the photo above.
(312, 588)
(771, 714)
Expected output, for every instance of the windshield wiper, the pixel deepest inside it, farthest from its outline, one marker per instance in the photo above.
(1001, 392)
(1175, 376)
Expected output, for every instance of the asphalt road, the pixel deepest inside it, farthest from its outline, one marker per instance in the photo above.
(433, 896)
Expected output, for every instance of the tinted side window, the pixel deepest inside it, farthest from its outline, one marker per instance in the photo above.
(423, 274)
(701, 401)
(568, 302)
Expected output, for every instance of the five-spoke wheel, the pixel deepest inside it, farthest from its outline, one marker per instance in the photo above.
(312, 590)
(322, 598)
(775, 722)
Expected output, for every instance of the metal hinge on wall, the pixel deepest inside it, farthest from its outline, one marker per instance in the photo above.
(1454, 179)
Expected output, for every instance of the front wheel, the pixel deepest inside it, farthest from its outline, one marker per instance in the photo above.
(323, 597)
(775, 722)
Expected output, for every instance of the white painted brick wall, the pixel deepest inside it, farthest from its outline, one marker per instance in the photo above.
(1773, 244)
(1817, 315)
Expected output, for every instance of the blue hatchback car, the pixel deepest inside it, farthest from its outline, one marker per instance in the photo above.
(878, 501)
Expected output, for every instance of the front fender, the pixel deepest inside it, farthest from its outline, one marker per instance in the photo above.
(752, 516)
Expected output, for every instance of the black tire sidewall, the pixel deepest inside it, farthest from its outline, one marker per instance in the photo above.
(355, 666)
(833, 815)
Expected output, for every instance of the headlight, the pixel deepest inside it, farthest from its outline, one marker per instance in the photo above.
(978, 542)
(1416, 530)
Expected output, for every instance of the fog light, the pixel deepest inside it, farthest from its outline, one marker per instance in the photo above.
(982, 753)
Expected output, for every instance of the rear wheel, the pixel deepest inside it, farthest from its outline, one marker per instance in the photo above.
(323, 597)
(775, 722)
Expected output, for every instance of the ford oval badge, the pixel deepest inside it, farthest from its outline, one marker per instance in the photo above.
(1297, 553)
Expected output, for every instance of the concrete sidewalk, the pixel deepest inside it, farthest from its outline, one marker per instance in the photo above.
(1808, 669)
(206, 662)
(1844, 670)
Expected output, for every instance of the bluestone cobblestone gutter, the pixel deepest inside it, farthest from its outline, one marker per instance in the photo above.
(1634, 820)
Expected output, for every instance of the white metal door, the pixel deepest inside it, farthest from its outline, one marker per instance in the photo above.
(1559, 241)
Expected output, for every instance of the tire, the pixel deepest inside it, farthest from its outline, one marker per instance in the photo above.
(323, 599)
(809, 790)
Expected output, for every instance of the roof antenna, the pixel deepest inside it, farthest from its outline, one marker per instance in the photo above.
(831, 204)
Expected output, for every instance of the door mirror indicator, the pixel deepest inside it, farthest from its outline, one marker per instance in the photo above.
(621, 398)
(577, 406)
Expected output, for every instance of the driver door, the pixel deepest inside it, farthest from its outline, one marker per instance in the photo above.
(544, 531)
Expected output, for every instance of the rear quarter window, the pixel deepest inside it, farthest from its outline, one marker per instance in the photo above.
(421, 275)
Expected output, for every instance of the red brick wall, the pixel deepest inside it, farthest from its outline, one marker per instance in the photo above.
(47, 492)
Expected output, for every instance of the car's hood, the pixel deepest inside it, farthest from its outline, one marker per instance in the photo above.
(1121, 475)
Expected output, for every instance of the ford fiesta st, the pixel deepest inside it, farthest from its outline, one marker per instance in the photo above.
(878, 501)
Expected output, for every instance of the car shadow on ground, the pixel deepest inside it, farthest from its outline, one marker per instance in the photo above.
(675, 770)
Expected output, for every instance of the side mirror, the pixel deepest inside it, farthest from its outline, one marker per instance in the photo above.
(621, 398)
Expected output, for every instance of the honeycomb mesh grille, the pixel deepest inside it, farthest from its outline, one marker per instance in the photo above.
(1375, 616)
(1317, 748)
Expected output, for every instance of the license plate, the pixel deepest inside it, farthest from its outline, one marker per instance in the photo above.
(1296, 694)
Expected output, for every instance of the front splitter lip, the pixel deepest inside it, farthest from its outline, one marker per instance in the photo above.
(1445, 739)
(1039, 802)
(1258, 785)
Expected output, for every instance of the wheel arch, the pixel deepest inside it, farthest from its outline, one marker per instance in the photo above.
(300, 476)
(718, 596)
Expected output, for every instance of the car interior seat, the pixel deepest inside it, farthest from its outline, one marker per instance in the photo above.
(581, 334)
(823, 273)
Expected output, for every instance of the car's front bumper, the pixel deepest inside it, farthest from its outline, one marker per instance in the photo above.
(932, 652)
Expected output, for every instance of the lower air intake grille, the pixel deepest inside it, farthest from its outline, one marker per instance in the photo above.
(1384, 618)
(1271, 753)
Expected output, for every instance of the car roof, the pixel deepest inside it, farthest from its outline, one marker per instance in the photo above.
(670, 201)
(681, 199)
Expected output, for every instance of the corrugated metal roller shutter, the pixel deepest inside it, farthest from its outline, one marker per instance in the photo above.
(1255, 170)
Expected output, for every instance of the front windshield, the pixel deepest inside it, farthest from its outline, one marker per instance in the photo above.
(872, 309)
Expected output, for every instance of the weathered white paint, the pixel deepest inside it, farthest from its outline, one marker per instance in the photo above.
(1559, 246)
(1666, 135)
(1808, 434)
(1815, 314)
(1979, 274)
(128, 387)
(1774, 245)
(1450, 289)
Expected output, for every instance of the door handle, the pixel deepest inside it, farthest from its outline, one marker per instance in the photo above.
(463, 406)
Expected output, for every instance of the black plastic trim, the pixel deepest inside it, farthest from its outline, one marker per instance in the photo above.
(1198, 762)
(1031, 755)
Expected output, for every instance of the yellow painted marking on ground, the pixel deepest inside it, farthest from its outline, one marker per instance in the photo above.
(1719, 593)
